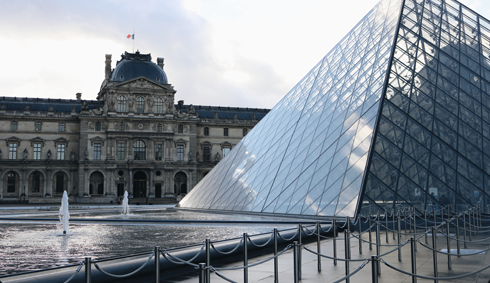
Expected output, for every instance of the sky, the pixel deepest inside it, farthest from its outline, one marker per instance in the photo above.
(241, 53)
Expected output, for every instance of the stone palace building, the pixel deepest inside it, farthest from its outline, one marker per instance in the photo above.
(134, 137)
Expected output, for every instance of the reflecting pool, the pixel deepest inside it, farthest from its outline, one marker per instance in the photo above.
(30, 245)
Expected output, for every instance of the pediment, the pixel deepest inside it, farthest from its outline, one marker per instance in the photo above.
(97, 139)
(37, 140)
(13, 140)
(143, 83)
(60, 141)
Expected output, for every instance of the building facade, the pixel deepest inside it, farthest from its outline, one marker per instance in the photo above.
(133, 137)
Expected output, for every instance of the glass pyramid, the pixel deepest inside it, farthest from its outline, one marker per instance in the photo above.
(396, 114)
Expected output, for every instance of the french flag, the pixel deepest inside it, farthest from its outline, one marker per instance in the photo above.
(130, 36)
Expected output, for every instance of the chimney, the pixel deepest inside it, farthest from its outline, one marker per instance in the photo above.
(160, 62)
(108, 62)
(79, 96)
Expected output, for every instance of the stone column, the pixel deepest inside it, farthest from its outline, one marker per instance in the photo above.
(130, 185)
(151, 194)
(49, 187)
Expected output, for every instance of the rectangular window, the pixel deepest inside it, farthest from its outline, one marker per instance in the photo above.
(97, 126)
(207, 153)
(61, 127)
(97, 150)
(60, 152)
(158, 151)
(180, 152)
(37, 151)
(13, 126)
(13, 151)
(226, 150)
(121, 151)
(38, 126)
(225, 132)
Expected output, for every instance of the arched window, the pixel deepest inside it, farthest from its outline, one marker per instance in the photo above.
(180, 129)
(245, 131)
(225, 132)
(96, 183)
(97, 126)
(122, 127)
(159, 127)
(11, 182)
(140, 105)
(159, 106)
(60, 182)
(121, 104)
(139, 150)
(206, 131)
(36, 182)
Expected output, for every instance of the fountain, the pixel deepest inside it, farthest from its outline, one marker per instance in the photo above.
(125, 203)
(64, 214)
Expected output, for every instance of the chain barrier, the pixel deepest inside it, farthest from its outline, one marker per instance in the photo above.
(124, 275)
(221, 275)
(181, 261)
(290, 239)
(229, 252)
(329, 228)
(373, 243)
(311, 232)
(82, 263)
(452, 254)
(333, 258)
(257, 263)
(353, 272)
(262, 245)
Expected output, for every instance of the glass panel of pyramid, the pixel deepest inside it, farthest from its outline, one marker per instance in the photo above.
(397, 114)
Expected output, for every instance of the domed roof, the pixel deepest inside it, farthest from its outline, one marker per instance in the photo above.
(134, 65)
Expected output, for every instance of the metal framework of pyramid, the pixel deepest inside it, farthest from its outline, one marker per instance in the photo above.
(397, 114)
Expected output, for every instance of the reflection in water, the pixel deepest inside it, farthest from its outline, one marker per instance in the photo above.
(28, 247)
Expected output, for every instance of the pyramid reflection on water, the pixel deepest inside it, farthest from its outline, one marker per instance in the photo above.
(379, 123)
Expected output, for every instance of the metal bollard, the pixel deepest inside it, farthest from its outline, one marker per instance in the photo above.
(295, 261)
(475, 224)
(414, 258)
(245, 257)
(276, 260)
(347, 219)
(410, 220)
(202, 276)
(464, 229)
(425, 217)
(334, 223)
(470, 222)
(415, 226)
(479, 217)
(347, 253)
(208, 261)
(434, 252)
(370, 236)
(88, 270)
(360, 229)
(449, 264)
(300, 250)
(318, 248)
(378, 243)
(398, 238)
(374, 269)
(457, 236)
(386, 225)
(157, 263)
(394, 229)
(405, 219)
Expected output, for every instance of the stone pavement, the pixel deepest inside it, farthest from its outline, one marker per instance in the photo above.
(330, 272)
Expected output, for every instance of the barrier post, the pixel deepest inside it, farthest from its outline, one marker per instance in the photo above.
(295, 261)
(393, 219)
(470, 222)
(435, 219)
(360, 229)
(276, 262)
(202, 277)
(405, 219)
(88, 270)
(378, 243)
(208, 261)
(318, 248)
(334, 223)
(245, 257)
(347, 219)
(374, 269)
(157, 264)
(300, 249)
(410, 220)
(475, 221)
(414, 258)
(457, 236)
(425, 218)
(479, 217)
(386, 225)
(347, 253)
(434, 252)
(398, 238)
(464, 229)
(370, 236)
(448, 240)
